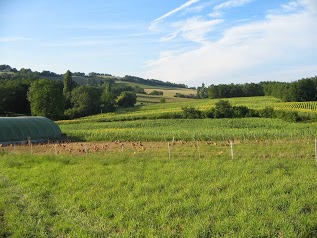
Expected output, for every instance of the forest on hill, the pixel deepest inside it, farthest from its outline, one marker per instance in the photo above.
(67, 96)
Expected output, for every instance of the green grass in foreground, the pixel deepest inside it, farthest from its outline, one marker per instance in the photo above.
(149, 195)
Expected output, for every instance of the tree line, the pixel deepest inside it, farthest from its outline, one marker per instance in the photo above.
(298, 91)
(57, 99)
(151, 82)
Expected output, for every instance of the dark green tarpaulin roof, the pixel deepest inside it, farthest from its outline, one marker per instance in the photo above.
(21, 128)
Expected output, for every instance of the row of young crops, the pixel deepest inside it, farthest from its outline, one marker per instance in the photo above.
(172, 110)
(190, 129)
(298, 106)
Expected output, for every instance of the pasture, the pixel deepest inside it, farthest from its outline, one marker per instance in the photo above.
(125, 194)
(132, 174)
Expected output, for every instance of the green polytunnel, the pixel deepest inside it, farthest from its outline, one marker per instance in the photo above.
(18, 129)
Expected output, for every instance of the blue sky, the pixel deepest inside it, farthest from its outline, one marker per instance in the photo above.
(182, 41)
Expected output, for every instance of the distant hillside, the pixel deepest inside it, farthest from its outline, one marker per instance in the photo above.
(151, 82)
(8, 72)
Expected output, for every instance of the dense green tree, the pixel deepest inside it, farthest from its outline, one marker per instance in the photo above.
(108, 102)
(126, 99)
(46, 99)
(202, 92)
(13, 96)
(68, 82)
(223, 109)
(86, 101)
(67, 89)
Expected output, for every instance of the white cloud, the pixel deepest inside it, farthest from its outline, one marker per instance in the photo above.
(154, 24)
(185, 5)
(218, 9)
(231, 4)
(193, 29)
(258, 50)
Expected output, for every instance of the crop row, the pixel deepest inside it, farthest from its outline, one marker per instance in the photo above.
(170, 110)
(298, 106)
(190, 129)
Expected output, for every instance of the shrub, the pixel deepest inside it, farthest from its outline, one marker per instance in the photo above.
(267, 112)
(126, 99)
(240, 111)
(223, 109)
(191, 113)
(287, 116)
(155, 92)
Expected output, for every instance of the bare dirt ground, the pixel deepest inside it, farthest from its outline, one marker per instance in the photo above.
(84, 148)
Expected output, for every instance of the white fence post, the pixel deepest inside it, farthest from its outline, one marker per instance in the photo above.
(231, 148)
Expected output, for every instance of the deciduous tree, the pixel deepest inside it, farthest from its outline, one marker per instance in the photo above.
(46, 99)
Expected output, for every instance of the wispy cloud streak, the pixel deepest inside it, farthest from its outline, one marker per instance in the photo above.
(185, 5)
(218, 9)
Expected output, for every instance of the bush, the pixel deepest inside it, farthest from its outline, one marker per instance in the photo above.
(267, 112)
(240, 111)
(287, 116)
(155, 92)
(223, 109)
(191, 113)
(126, 99)
(209, 113)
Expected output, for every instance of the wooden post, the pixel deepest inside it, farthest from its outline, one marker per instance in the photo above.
(169, 150)
(30, 144)
(86, 150)
(122, 147)
(316, 149)
(231, 148)
(198, 150)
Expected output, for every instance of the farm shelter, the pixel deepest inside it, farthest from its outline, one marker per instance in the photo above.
(19, 129)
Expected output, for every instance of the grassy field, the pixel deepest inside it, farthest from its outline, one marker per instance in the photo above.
(152, 177)
(169, 93)
(149, 195)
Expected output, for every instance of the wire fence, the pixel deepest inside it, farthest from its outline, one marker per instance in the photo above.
(295, 149)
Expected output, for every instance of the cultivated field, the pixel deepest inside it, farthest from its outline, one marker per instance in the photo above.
(134, 174)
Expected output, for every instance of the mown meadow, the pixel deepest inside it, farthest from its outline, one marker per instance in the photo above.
(182, 182)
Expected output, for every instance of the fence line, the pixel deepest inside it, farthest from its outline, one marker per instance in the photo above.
(177, 149)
